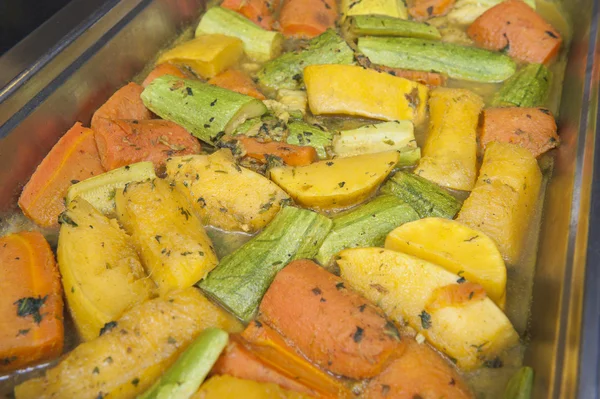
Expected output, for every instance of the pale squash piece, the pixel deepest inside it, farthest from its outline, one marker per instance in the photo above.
(469, 328)
(228, 387)
(457, 248)
(206, 55)
(450, 153)
(337, 183)
(175, 249)
(101, 271)
(503, 202)
(224, 194)
(131, 355)
(353, 90)
(390, 8)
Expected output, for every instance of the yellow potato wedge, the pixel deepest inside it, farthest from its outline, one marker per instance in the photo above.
(101, 272)
(228, 387)
(353, 90)
(450, 153)
(503, 202)
(467, 326)
(337, 183)
(132, 354)
(457, 248)
(175, 249)
(224, 194)
(206, 55)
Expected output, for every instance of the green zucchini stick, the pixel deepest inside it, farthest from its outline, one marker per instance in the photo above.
(184, 377)
(204, 110)
(459, 62)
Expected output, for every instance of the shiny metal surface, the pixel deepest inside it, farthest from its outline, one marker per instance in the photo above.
(116, 47)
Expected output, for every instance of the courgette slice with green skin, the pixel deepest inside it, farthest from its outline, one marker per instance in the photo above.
(409, 157)
(184, 377)
(380, 137)
(100, 190)
(425, 197)
(204, 110)
(259, 44)
(379, 25)
(302, 133)
(365, 226)
(242, 278)
(285, 71)
(527, 88)
(459, 62)
(520, 385)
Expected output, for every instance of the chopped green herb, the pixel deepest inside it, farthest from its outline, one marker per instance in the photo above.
(425, 320)
(31, 307)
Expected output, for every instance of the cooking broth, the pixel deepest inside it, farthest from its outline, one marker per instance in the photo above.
(486, 382)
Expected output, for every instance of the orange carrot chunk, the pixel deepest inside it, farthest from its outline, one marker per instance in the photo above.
(164, 69)
(431, 79)
(258, 11)
(73, 158)
(122, 142)
(307, 18)
(332, 325)
(31, 305)
(531, 128)
(268, 345)
(418, 373)
(124, 104)
(238, 81)
(514, 26)
(239, 362)
(293, 155)
(422, 10)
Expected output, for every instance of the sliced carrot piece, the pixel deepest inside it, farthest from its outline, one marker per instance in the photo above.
(431, 79)
(73, 158)
(531, 128)
(307, 18)
(515, 27)
(164, 69)
(329, 323)
(418, 373)
(122, 142)
(270, 347)
(258, 11)
(124, 104)
(422, 10)
(293, 155)
(239, 362)
(32, 305)
(238, 81)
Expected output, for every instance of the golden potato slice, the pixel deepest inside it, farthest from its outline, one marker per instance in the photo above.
(175, 249)
(450, 152)
(207, 55)
(224, 194)
(129, 357)
(337, 183)
(457, 248)
(457, 318)
(101, 272)
(503, 202)
(354, 90)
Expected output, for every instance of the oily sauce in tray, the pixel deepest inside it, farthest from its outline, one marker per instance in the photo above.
(297, 161)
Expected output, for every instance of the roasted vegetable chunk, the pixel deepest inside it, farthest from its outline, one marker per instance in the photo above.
(133, 351)
(171, 241)
(101, 271)
(224, 194)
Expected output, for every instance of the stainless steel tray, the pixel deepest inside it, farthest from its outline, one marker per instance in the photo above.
(105, 51)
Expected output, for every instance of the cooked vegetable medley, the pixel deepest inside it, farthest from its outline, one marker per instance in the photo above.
(306, 199)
